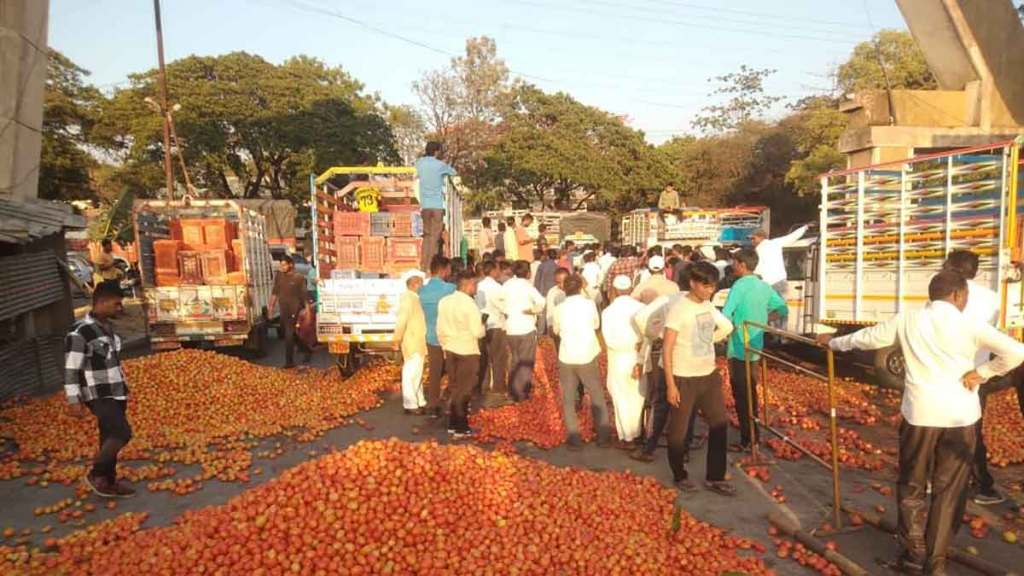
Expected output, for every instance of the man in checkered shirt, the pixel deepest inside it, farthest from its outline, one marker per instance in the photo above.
(93, 377)
(626, 265)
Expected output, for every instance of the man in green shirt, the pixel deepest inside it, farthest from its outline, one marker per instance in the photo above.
(750, 298)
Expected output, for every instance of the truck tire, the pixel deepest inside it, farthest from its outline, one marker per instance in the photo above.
(258, 340)
(889, 367)
(346, 363)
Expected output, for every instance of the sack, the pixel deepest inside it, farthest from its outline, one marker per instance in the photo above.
(305, 327)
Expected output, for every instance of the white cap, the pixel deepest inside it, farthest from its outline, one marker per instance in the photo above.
(410, 273)
(656, 263)
(622, 282)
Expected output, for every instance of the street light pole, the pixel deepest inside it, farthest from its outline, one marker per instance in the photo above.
(168, 169)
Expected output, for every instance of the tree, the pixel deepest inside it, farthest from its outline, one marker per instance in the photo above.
(748, 100)
(905, 66)
(409, 130)
(245, 120)
(69, 113)
(463, 102)
(816, 125)
(558, 153)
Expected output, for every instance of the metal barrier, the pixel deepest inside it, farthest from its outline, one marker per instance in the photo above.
(829, 378)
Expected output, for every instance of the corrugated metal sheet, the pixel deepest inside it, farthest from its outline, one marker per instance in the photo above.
(22, 222)
(29, 281)
(31, 366)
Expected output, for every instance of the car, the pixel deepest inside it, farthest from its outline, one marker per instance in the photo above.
(81, 268)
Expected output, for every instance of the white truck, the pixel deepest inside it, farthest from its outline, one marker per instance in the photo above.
(884, 231)
(206, 273)
(359, 255)
(693, 226)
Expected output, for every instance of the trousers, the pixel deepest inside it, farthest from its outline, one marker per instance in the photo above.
(943, 457)
(433, 223)
(412, 382)
(738, 383)
(462, 377)
(435, 370)
(115, 432)
(494, 369)
(522, 356)
(702, 393)
(589, 374)
(624, 389)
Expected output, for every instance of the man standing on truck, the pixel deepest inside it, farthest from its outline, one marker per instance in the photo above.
(459, 330)
(290, 293)
(771, 266)
(750, 298)
(431, 172)
(411, 339)
(940, 409)
(430, 295)
(93, 377)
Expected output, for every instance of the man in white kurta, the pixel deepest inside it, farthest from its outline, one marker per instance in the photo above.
(623, 341)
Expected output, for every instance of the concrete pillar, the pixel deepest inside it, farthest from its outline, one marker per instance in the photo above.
(23, 59)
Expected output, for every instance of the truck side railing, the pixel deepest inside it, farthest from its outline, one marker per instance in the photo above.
(828, 377)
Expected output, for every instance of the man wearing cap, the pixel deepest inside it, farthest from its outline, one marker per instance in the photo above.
(411, 339)
(622, 339)
(657, 281)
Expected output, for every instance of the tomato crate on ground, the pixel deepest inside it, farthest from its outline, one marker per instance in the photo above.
(351, 223)
(348, 251)
(406, 224)
(371, 253)
(380, 224)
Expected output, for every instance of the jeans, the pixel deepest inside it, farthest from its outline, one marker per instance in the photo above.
(702, 393)
(494, 369)
(738, 382)
(523, 349)
(659, 407)
(115, 432)
(436, 369)
(462, 377)
(589, 374)
(433, 222)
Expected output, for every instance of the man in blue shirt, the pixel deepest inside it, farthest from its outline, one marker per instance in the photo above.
(430, 295)
(750, 298)
(431, 173)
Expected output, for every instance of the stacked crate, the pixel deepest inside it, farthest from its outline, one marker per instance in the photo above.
(377, 241)
(200, 251)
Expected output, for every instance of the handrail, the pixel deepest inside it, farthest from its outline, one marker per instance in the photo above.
(829, 378)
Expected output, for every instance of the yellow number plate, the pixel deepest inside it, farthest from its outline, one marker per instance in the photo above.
(338, 347)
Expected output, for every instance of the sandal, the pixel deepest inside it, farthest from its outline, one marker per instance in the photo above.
(720, 487)
(686, 486)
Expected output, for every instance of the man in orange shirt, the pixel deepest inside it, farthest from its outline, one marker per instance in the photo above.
(523, 238)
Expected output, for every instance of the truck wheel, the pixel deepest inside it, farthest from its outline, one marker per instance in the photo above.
(890, 367)
(257, 342)
(346, 364)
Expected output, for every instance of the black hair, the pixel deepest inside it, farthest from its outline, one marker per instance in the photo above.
(748, 257)
(106, 242)
(614, 251)
(589, 257)
(511, 220)
(485, 222)
(944, 284)
(552, 254)
(525, 216)
(542, 227)
(466, 275)
(963, 262)
(504, 265)
(106, 290)
(433, 147)
(703, 273)
(521, 269)
(562, 270)
(501, 226)
(672, 262)
(537, 252)
(439, 263)
(573, 285)
(686, 250)
(486, 267)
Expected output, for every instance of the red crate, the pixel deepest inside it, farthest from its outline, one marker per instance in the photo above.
(190, 266)
(218, 232)
(237, 255)
(351, 223)
(403, 252)
(348, 252)
(371, 254)
(166, 252)
(402, 224)
(215, 266)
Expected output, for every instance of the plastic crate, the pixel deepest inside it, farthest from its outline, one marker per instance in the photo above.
(192, 233)
(351, 223)
(218, 232)
(406, 224)
(371, 253)
(381, 224)
(348, 252)
(404, 252)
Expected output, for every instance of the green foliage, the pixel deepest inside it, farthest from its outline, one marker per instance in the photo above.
(816, 126)
(904, 62)
(244, 118)
(69, 113)
(747, 100)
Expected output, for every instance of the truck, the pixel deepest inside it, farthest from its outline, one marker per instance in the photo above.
(206, 273)
(367, 230)
(884, 231)
(693, 226)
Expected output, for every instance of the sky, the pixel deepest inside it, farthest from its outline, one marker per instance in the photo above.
(649, 60)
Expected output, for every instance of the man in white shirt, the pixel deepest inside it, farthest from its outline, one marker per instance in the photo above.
(606, 259)
(982, 306)
(591, 274)
(520, 302)
(577, 322)
(459, 330)
(494, 355)
(940, 408)
(622, 339)
(486, 239)
(657, 281)
(555, 296)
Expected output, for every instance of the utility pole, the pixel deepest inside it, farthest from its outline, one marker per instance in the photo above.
(165, 111)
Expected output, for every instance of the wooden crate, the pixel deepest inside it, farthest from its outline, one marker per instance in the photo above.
(404, 253)
(218, 232)
(190, 267)
(192, 232)
(214, 265)
(348, 252)
(371, 254)
(167, 280)
(351, 223)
